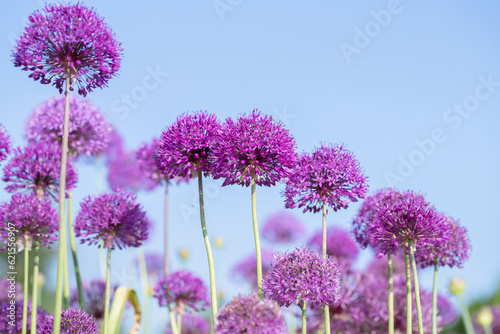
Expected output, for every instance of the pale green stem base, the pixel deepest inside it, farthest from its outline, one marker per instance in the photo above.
(107, 294)
(143, 272)
(417, 289)
(487, 330)
(408, 295)
(72, 244)
(390, 301)
(304, 319)
(34, 292)
(179, 322)
(257, 240)
(173, 323)
(323, 250)
(25, 288)
(469, 329)
(434, 299)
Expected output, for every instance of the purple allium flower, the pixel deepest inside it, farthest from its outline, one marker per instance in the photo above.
(28, 217)
(495, 325)
(282, 227)
(146, 161)
(192, 324)
(247, 269)
(251, 315)
(183, 289)
(9, 287)
(73, 321)
(186, 146)
(447, 313)
(154, 265)
(93, 294)
(452, 253)
(37, 167)
(302, 276)
(116, 146)
(254, 144)
(330, 174)
(115, 219)
(339, 245)
(4, 143)
(89, 131)
(11, 317)
(123, 172)
(70, 38)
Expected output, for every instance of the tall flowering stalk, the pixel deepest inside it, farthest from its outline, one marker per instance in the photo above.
(329, 176)
(254, 150)
(67, 45)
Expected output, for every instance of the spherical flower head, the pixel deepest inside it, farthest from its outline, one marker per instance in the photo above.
(31, 219)
(4, 143)
(252, 315)
(73, 321)
(112, 220)
(447, 313)
(9, 288)
(485, 315)
(330, 174)
(11, 317)
(89, 131)
(192, 324)
(451, 253)
(247, 268)
(186, 146)
(124, 172)
(93, 295)
(37, 167)
(68, 40)
(339, 245)
(253, 145)
(302, 276)
(282, 227)
(184, 290)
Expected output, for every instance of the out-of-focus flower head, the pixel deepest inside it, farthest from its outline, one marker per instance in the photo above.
(487, 314)
(124, 172)
(247, 268)
(4, 143)
(14, 325)
(192, 324)
(282, 227)
(93, 294)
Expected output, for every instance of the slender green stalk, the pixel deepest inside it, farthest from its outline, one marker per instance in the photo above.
(408, 295)
(390, 301)
(469, 329)
(72, 244)
(417, 289)
(487, 329)
(323, 249)
(34, 292)
(107, 294)
(143, 272)
(62, 215)
(213, 292)
(257, 239)
(304, 320)
(179, 322)
(66, 283)
(173, 323)
(25, 288)
(165, 255)
(434, 299)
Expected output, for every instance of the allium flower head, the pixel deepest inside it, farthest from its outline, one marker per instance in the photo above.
(282, 227)
(124, 172)
(89, 131)
(254, 144)
(192, 324)
(251, 315)
(9, 288)
(302, 276)
(73, 321)
(330, 174)
(37, 167)
(4, 143)
(186, 146)
(339, 245)
(93, 294)
(113, 219)
(11, 317)
(30, 218)
(70, 39)
(183, 289)
(247, 269)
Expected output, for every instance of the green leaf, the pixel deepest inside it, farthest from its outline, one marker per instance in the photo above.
(121, 295)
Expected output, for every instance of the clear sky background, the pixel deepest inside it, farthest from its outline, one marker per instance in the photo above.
(411, 87)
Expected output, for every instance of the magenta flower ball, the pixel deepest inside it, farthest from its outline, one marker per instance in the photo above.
(124, 172)
(11, 317)
(73, 320)
(247, 268)
(282, 227)
(4, 143)
(93, 295)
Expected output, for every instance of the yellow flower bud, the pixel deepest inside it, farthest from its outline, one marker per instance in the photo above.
(183, 254)
(219, 241)
(485, 316)
(457, 286)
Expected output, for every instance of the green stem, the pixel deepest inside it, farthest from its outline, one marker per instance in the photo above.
(213, 292)
(143, 272)
(408, 295)
(390, 302)
(257, 239)
(165, 256)
(25, 292)
(417, 289)
(62, 215)
(34, 292)
(107, 294)
(304, 320)
(179, 322)
(469, 329)
(323, 249)
(487, 329)
(66, 283)
(434, 299)
(173, 323)
(72, 244)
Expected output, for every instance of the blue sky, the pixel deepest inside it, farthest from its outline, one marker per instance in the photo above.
(411, 87)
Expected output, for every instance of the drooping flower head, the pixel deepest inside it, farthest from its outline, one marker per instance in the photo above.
(37, 167)
(4, 143)
(112, 220)
(282, 227)
(247, 268)
(251, 315)
(330, 174)
(186, 146)
(11, 317)
(89, 131)
(124, 172)
(182, 289)
(253, 145)
(73, 320)
(72, 40)
(302, 276)
(192, 324)
(29, 218)
(339, 245)
(93, 294)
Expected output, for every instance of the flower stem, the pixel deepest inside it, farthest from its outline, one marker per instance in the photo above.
(66, 283)
(34, 292)
(107, 294)
(257, 239)
(213, 292)
(143, 272)
(179, 322)
(323, 249)
(487, 329)
(173, 323)
(408, 295)
(417, 289)
(434, 299)
(390, 301)
(25, 289)
(165, 256)
(469, 329)
(72, 244)
(304, 320)
(62, 215)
